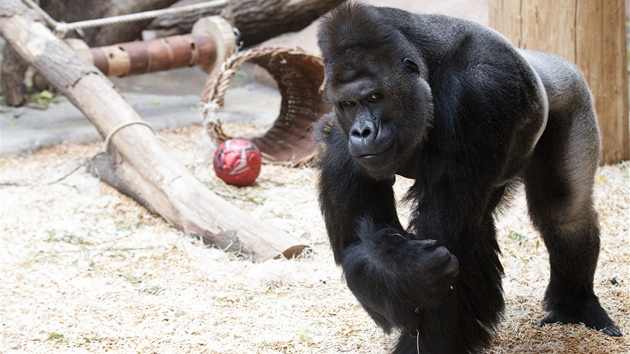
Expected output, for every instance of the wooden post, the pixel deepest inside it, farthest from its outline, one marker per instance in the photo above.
(140, 57)
(141, 160)
(591, 34)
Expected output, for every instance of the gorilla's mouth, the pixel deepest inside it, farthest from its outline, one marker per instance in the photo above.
(370, 156)
(366, 151)
(373, 157)
(376, 162)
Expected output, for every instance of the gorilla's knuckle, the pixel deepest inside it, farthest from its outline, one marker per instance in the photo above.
(442, 254)
(453, 266)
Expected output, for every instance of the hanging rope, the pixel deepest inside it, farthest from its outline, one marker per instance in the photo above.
(61, 28)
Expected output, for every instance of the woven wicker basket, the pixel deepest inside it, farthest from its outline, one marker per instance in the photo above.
(299, 76)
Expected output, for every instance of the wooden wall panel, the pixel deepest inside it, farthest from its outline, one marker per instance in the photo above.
(589, 55)
(510, 25)
(549, 26)
(613, 112)
(591, 34)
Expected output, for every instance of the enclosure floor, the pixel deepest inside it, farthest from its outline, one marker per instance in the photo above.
(86, 269)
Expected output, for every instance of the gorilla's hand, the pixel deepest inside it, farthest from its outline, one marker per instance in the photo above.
(436, 267)
(408, 267)
(421, 264)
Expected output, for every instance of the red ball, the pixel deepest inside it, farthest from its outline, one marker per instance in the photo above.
(237, 162)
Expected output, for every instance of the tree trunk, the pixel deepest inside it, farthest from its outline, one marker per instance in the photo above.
(12, 77)
(257, 20)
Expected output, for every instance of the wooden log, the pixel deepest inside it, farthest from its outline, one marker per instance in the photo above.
(591, 34)
(142, 161)
(141, 57)
(138, 57)
(79, 10)
(12, 77)
(257, 20)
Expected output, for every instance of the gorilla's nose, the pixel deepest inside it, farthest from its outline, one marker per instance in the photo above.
(363, 132)
(363, 140)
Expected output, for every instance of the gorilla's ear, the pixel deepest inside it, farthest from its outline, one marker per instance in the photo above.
(412, 66)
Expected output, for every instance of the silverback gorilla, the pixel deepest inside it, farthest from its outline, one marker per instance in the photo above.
(454, 106)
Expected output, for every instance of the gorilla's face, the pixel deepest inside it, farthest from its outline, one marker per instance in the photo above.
(362, 109)
(384, 111)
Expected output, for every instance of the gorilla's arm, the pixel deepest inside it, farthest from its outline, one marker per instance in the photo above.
(347, 194)
(391, 272)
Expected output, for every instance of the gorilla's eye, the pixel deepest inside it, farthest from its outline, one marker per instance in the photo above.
(346, 104)
(374, 97)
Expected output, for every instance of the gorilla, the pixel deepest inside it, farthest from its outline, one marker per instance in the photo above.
(454, 106)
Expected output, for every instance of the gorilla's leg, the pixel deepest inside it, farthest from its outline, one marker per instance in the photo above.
(559, 187)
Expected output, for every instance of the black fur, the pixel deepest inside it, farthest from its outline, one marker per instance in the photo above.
(454, 106)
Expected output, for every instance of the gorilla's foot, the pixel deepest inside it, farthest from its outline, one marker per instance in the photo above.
(590, 313)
